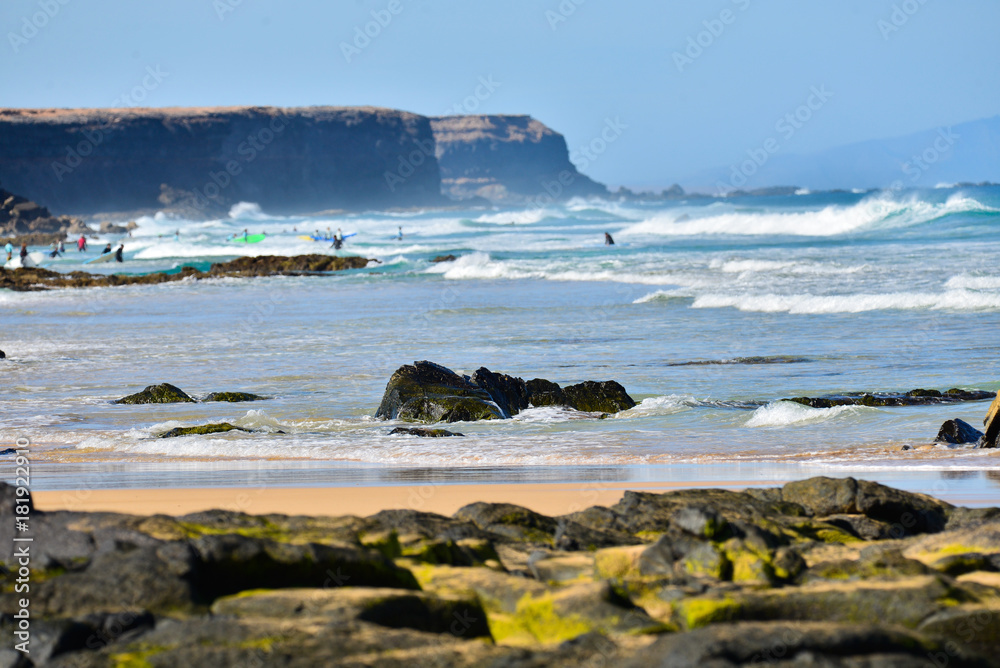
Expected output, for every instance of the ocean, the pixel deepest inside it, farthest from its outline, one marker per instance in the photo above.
(709, 312)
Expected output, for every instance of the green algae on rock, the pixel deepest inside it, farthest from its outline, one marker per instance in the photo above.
(233, 397)
(201, 430)
(164, 393)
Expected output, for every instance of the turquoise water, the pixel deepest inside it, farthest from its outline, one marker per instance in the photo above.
(708, 312)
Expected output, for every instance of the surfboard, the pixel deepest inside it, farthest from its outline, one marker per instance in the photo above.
(106, 257)
(330, 239)
(31, 260)
(249, 239)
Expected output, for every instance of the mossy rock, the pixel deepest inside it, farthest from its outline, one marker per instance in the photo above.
(424, 433)
(598, 397)
(164, 393)
(233, 397)
(217, 428)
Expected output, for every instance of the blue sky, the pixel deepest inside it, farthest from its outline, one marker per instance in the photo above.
(891, 66)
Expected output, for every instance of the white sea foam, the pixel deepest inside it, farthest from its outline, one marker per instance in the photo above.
(870, 213)
(958, 300)
(248, 211)
(787, 413)
(663, 405)
(966, 282)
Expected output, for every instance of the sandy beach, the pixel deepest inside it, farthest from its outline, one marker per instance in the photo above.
(548, 499)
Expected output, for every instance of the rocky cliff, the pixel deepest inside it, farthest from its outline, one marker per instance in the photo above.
(204, 160)
(508, 159)
(201, 161)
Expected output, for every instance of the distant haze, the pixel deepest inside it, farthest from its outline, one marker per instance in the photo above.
(692, 85)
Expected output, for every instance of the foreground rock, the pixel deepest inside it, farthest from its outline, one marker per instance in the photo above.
(36, 278)
(992, 422)
(428, 392)
(958, 432)
(820, 572)
(878, 399)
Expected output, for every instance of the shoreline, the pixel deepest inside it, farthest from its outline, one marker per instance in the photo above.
(360, 500)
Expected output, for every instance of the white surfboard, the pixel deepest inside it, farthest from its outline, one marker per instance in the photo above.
(31, 260)
(106, 257)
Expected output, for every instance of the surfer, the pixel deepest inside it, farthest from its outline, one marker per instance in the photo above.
(246, 233)
(24, 253)
(54, 249)
(177, 235)
(118, 253)
(62, 247)
(400, 237)
(608, 241)
(10, 250)
(81, 244)
(107, 249)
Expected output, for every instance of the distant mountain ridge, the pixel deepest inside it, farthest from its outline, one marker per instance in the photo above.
(965, 152)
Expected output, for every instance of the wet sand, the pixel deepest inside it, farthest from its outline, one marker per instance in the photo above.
(549, 499)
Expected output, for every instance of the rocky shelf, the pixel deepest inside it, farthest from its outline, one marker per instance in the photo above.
(36, 278)
(820, 572)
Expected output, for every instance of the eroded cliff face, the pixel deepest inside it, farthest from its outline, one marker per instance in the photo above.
(198, 160)
(507, 159)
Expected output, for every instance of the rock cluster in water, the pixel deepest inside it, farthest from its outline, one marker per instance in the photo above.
(36, 278)
(24, 221)
(165, 393)
(429, 392)
(879, 399)
(820, 572)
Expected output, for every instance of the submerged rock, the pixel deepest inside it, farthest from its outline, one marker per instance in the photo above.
(428, 392)
(233, 397)
(958, 431)
(216, 428)
(878, 399)
(444, 258)
(164, 393)
(992, 423)
(426, 433)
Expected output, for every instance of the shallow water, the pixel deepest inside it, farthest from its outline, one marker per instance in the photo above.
(707, 312)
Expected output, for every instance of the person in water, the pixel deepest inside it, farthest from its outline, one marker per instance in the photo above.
(81, 244)
(24, 252)
(118, 253)
(62, 247)
(608, 241)
(10, 250)
(107, 249)
(400, 237)
(53, 249)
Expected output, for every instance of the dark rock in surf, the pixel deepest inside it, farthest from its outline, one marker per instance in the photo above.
(958, 432)
(992, 424)
(444, 258)
(425, 433)
(3, 355)
(598, 397)
(216, 428)
(233, 397)
(164, 393)
(879, 399)
(508, 392)
(428, 392)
